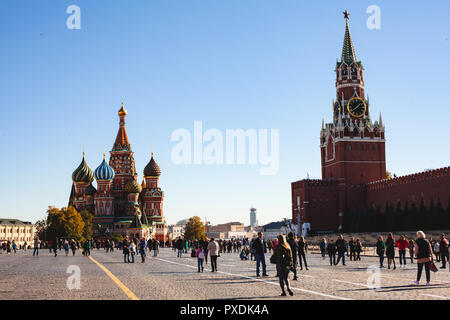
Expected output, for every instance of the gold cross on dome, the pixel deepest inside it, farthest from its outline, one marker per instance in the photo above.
(346, 14)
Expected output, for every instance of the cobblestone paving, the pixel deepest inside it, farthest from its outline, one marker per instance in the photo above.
(23, 276)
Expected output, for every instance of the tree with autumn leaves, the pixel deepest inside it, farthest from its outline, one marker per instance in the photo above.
(65, 223)
(194, 229)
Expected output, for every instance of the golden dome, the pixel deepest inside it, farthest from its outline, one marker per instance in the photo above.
(122, 111)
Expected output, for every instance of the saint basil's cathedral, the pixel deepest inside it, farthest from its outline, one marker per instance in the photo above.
(120, 204)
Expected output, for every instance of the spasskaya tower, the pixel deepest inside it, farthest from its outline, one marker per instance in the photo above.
(352, 146)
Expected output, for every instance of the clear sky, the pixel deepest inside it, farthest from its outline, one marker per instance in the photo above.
(260, 64)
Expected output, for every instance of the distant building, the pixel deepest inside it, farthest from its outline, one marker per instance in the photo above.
(19, 231)
(253, 222)
(274, 229)
(227, 231)
(176, 231)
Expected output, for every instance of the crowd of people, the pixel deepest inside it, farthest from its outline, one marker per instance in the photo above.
(288, 253)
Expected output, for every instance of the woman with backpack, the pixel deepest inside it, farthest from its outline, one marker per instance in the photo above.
(200, 254)
(424, 255)
(282, 257)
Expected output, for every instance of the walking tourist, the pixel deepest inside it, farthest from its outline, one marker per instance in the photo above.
(73, 246)
(411, 250)
(323, 247)
(381, 248)
(259, 245)
(294, 248)
(200, 254)
(331, 250)
(213, 248)
(341, 247)
(390, 250)
(270, 245)
(142, 247)
(424, 255)
(443, 248)
(351, 245)
(284, 263)
(358, 249)
(402, 245)
(155, 246)
(179, 245)
(126, 253)
(37, 245)
(302, 249)
(437, 251)
(132, 250)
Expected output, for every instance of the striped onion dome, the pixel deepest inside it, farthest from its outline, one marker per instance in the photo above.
(90, 190)
(152, 169)
(83, 173)
(133, 187)
(104, 171)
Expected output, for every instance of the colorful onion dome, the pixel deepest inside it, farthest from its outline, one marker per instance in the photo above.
(133, 187)
(83, 173)
(152, 169)
(104, 171)
(90, 190)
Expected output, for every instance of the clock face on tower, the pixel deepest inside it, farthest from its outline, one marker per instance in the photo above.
(356, 107)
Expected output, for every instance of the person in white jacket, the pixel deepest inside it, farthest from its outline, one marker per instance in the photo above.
(213, 249)
(132, 251)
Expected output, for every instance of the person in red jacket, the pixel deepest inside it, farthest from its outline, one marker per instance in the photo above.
(402, 243)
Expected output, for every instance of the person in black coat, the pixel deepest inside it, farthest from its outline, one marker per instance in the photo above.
(331, 250)
(259, 245)
(341, 247)
(294, 248)
(302, 248)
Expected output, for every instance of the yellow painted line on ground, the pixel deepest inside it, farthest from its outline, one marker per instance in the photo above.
(127, 291)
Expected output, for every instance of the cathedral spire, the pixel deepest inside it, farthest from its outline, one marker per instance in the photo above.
(348, 49)
(121, 142)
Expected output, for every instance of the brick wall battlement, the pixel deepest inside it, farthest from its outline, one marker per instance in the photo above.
(411, 178)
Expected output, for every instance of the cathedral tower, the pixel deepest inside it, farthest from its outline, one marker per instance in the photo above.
(122, 162)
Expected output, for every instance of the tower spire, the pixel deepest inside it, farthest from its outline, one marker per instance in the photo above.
(348, 49)
(122, 142)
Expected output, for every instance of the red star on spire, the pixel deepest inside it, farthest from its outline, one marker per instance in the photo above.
(346, 14)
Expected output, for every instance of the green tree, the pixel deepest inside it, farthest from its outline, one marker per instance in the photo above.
(73, 223)
(64, 223)
(194, 229)
(41, 227)
(88, 227)
(55, 225)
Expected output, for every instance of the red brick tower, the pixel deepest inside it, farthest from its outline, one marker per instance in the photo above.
(352, 146)
(122, 162)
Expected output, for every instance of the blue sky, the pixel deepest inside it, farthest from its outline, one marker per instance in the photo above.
(260, 64)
